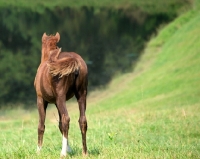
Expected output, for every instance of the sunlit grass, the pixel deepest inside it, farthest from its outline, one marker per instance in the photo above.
(124, 133)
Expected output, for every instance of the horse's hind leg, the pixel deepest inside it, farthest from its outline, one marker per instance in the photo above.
(81, 97)
(42, 105)
(60, 120)
(63, 125)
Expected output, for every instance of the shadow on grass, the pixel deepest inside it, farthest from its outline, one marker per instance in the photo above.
(94, 152)
(78, 151)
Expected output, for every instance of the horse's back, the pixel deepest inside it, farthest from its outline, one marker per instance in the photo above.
(46, 84)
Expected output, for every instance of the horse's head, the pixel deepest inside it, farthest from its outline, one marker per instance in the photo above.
(49, 43)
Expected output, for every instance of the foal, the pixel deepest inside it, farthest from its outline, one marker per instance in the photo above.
(59, 77)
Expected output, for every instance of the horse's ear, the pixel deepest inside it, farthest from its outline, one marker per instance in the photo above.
(44, 36)
(57, 36)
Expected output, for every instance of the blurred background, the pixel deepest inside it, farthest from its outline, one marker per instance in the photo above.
(109, 35)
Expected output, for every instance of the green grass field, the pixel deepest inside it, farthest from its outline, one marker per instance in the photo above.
(150, 113)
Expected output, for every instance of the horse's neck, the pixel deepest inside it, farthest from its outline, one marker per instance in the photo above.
(44, 56)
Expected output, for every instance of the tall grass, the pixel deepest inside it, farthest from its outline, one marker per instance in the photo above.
(152, 112)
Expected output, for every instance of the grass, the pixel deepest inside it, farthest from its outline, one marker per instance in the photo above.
(152, 112)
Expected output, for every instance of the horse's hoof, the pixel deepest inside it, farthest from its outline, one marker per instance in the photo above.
(38, 149)
(85, 154)
(62, 155)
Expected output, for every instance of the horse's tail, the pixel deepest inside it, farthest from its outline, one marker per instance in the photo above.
(61, 67)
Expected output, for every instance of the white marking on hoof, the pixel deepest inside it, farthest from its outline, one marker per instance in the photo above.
(65, 147)
(38, 149)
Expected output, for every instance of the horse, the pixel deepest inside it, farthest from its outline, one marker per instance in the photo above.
(59, 77)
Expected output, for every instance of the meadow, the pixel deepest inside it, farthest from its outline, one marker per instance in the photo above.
(152, 112)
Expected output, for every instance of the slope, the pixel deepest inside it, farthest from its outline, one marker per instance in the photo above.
(153, 112)
(168, 69)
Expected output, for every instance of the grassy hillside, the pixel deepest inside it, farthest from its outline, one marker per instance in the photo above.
(169, 67)
(152, 112)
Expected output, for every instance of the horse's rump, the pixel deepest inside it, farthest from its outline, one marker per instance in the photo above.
(63, 66)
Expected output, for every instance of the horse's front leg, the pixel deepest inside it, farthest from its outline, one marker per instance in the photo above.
(82, 119)
(63, 125)
(42, 105)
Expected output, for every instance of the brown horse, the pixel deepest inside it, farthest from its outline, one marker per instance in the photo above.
(60, 76)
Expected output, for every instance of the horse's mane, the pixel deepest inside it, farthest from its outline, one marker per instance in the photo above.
(61, 67)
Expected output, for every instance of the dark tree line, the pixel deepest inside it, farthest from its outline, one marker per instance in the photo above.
(109, 40)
